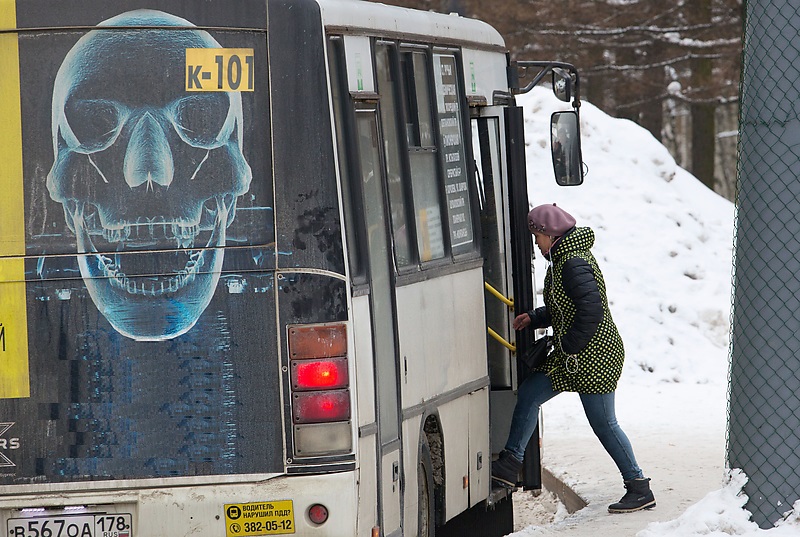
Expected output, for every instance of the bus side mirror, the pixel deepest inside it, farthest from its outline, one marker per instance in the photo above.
(565, 143)
(562, 84)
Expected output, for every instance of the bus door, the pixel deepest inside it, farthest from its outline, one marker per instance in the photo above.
(382, 310)
(499, 152)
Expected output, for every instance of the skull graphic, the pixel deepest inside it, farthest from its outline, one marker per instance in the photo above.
(147, 173)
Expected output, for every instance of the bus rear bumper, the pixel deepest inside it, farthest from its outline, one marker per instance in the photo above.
(273, 506)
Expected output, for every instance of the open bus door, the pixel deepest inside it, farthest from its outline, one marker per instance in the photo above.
(498, 141)
(498, 147)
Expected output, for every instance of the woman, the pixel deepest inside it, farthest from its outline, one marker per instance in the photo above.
(587, 353)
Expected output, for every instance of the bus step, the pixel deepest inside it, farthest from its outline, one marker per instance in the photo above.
(497, 494)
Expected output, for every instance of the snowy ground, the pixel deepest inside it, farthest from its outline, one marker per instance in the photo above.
(664, 243)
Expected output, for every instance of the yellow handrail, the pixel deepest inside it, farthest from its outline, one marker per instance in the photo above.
(503, 342)
(507, 301)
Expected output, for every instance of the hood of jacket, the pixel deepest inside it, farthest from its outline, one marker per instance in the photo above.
(576, 239)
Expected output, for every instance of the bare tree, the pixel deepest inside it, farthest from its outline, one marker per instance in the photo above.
(646, 60)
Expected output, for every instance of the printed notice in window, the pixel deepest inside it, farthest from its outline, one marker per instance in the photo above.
(453, 156)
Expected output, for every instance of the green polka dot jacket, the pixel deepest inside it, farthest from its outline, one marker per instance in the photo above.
(588, 351)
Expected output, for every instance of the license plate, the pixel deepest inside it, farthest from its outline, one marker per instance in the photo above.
(111, 525)
(259, 518)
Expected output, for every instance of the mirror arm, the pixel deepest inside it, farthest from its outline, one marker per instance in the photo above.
(544, 69)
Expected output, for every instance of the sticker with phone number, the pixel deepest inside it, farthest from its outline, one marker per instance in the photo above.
(114, 525)
(259, 518)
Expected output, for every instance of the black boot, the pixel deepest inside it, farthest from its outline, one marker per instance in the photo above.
(505, 470)
(639, 496)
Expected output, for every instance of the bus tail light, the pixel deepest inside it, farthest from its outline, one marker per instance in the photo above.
(317, 341)
(321, 407)
(319, 374)
(323, 439)
(320, 389)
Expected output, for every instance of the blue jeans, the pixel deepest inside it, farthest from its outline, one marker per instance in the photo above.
(599, 409)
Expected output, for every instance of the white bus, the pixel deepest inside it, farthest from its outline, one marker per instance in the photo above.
(244, 254)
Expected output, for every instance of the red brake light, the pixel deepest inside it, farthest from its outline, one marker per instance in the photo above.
(319, 374)
(320, 407)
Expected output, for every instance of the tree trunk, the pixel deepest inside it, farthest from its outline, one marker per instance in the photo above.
(703, 117)
(703, 143)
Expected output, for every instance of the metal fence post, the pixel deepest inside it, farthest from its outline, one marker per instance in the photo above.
(764, 395)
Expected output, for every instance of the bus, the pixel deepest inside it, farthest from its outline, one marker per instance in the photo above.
(249, 254)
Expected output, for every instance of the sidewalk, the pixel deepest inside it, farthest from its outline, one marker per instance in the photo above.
(684, 458)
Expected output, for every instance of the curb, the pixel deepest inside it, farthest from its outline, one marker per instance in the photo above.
(571, 499)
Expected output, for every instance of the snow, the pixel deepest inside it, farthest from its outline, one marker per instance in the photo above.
(664, 243)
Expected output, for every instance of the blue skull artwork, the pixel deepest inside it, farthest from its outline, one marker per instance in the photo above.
(147, 173)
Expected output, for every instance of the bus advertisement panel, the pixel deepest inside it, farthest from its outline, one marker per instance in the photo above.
(137, 243)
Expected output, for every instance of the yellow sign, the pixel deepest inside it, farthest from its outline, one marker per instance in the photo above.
(14, 374)
(259, 518)
(220, 69)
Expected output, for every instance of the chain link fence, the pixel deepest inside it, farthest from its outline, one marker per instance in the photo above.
(764, 397)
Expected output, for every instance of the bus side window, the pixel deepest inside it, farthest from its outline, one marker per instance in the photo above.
(343, 115)
(398, 198)
(422, 154)
(419, 128)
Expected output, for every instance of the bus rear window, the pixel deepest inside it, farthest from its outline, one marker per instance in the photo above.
(150, 333)
(174, 164)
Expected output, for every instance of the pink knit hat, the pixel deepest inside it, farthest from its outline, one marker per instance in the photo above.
(550, 220)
